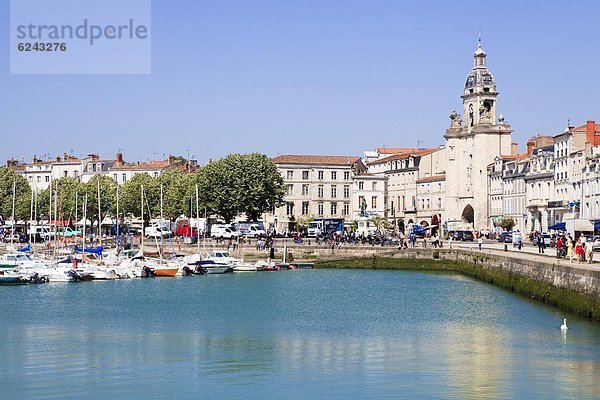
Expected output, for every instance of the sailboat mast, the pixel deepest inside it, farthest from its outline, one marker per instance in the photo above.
(13, 210)
(50, 209)
(142, 209)
(162, 223)
(197, 222)
(31, 231)
(99, 216)
(118, 241)
(76, 205)
(55, 220)
(84, 226)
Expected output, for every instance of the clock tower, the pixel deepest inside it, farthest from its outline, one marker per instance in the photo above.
(472, 143)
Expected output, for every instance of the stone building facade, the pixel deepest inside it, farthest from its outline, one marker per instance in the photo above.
(472, 143)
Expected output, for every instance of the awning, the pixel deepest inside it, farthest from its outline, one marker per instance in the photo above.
(597, 225)
(558, 227)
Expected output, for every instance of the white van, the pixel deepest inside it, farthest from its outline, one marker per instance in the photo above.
(157, 232)
(223, 231)
(44, 232)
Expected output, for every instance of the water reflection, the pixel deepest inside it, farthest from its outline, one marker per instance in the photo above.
(431, 335)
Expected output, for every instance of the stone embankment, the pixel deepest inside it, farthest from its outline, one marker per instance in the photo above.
(570, 286)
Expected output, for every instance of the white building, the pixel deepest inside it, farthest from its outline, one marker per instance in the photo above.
(316, 187)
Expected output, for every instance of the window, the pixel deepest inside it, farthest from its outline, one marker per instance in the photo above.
(47, 179)
(361, 185)
(76, 174)
(320, 209)
(346, 191)
(320, 175)
(290, 209)
(115, 177)
(361, 200)
(156, 174)
(346, 210)
(290, 175)
(305, 208)
(93, 167)
(346, 175)
(304, 190)
(320, 191)
(333, 191)
(66, 173)
(374, 202)
(39, 178)
(333, 175)
(333, 208)
(305, 175)
(290, 190)
(124, 176)
(374, 184)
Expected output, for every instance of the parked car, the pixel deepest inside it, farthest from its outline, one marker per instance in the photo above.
(505, 237)
(68, 232)
(595, 239)
(462, 236)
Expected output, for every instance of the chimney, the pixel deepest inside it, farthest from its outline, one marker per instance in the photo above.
(171, 160)
(57, 158)
(590, 132)
(530, 146)
(119, 158)
(514, 148)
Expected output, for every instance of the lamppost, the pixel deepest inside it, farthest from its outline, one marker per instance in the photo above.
(188, 159)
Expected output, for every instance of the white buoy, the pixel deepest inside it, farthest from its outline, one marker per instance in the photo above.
(564, 326)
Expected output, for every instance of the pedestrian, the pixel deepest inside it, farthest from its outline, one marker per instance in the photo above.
(579, 250)
(589, 251)
(479, 242)
(569, 247)
(520, 240)
(92, 239)
(559, 246)
(540, 243)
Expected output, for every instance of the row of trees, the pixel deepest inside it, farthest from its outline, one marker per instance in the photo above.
(237, 184)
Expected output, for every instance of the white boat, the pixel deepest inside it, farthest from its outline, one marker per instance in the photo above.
(246, 267)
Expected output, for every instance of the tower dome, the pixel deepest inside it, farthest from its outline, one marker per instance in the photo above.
(480, 78)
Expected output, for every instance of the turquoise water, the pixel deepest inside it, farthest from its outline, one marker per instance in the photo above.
(291, 334)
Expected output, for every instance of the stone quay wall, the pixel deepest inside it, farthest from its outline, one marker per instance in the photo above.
(573, 287)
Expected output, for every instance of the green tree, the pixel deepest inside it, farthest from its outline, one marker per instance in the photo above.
(241, 183)
(505, 223)
(379, 222)
(108, 192)
(262, 187)
(68, 190)
(23, 195)
(178, 190)
(302, 223)
(219, 187)
(130, 195)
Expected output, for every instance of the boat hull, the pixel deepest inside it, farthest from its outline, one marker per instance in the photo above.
(165, 271)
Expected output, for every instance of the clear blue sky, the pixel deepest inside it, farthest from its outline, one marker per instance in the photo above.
(311, 77)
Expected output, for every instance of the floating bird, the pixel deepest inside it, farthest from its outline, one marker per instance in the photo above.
(564, 326)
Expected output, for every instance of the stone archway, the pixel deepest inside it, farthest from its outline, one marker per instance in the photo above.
(401, 225)
(468, 214)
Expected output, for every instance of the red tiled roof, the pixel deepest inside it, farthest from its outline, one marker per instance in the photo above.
(583, 128)
(401, 156)
(151, 165)
(315, 160)
(433, 178)
(396, 150)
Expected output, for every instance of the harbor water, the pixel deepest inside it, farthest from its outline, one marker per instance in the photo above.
(291, 334)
